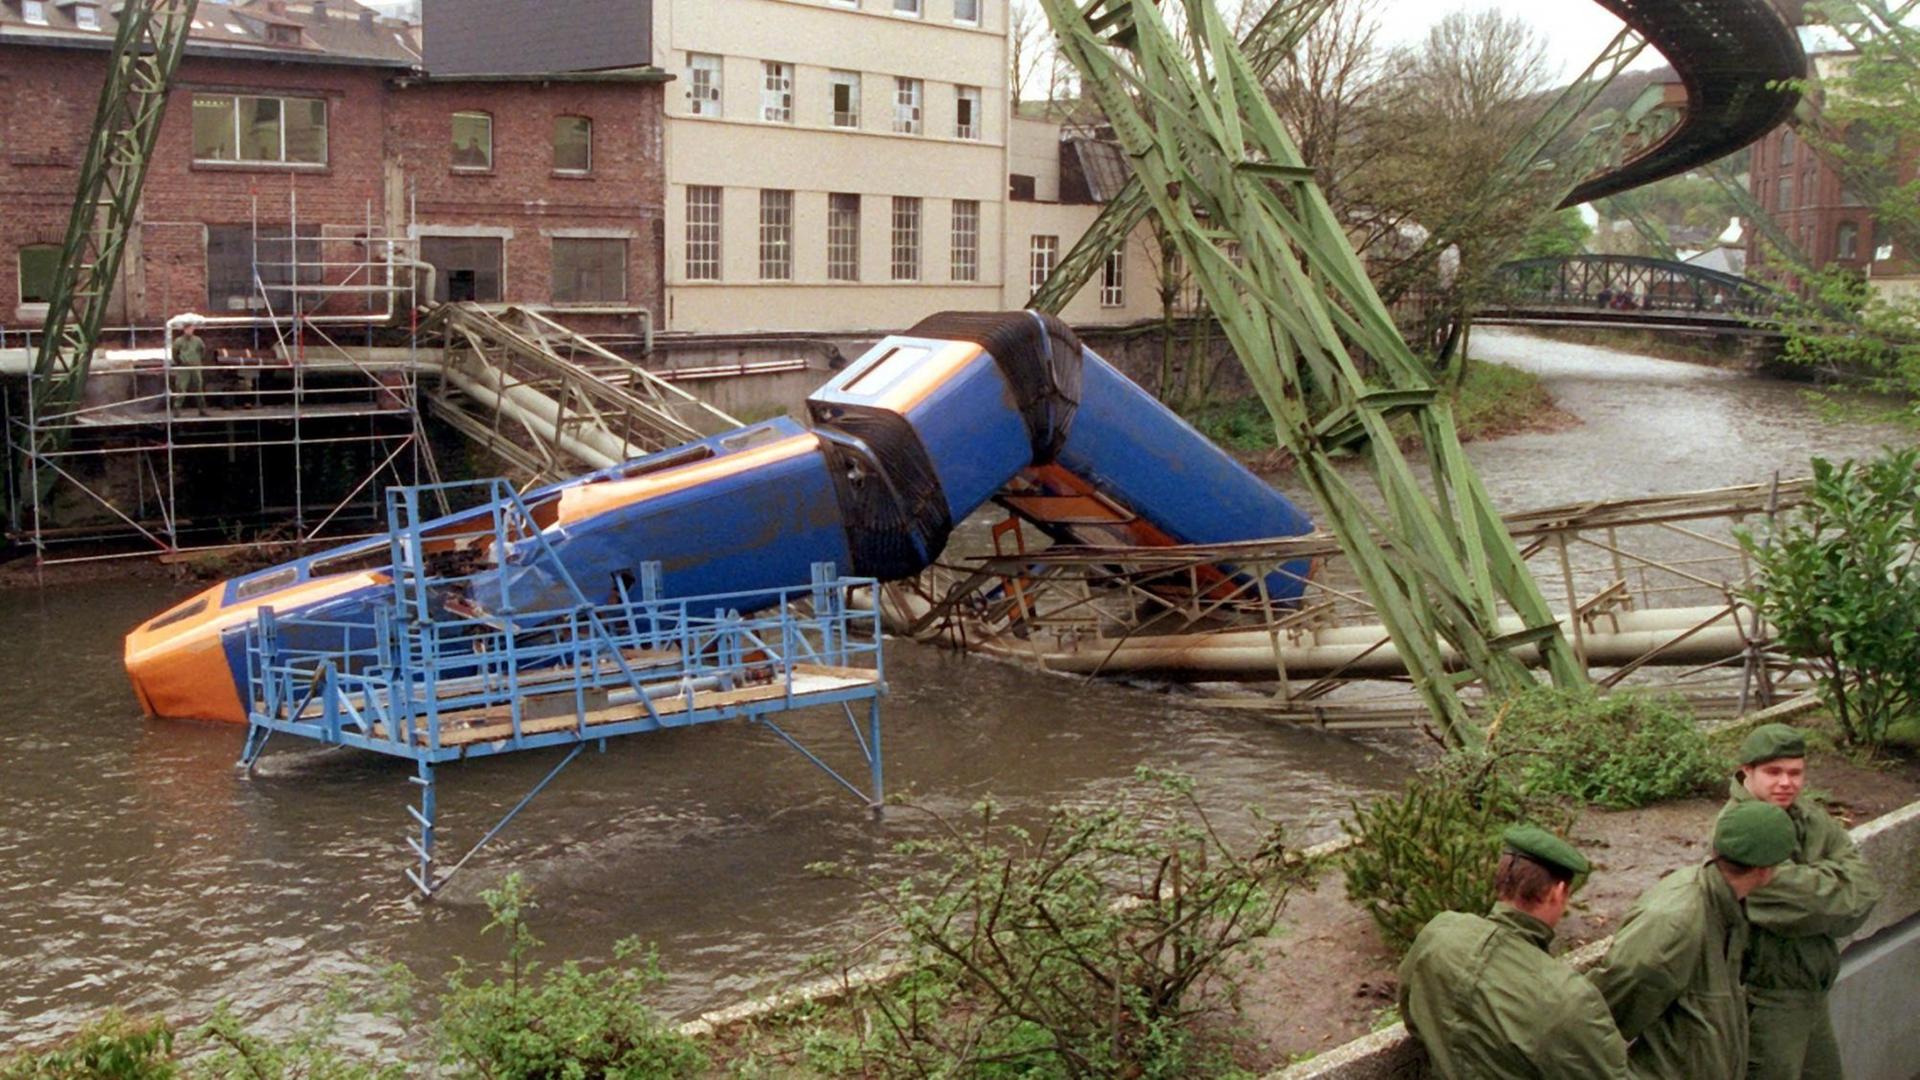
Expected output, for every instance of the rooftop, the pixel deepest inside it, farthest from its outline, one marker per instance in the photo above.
(324, 31)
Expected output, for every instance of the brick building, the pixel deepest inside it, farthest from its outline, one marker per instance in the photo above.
(316, 115)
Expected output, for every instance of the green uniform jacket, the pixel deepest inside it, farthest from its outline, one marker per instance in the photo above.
(1672, 978)
(1822, 894)
(1486, 1000)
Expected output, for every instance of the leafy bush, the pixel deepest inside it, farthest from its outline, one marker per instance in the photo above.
(1080, 948)
(1434, 847)
(1619, 751)
(1838, 582)
(114, 1047)
(563, 1022)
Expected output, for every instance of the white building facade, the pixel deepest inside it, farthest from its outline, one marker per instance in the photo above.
(832, 165)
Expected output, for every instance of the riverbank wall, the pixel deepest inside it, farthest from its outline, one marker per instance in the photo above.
(1880, 965)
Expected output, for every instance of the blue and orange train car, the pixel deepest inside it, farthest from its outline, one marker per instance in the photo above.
(903, 444)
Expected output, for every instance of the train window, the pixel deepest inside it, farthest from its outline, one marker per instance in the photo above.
(752, 437)
(373, 558)
(266, 583)
(886, 371)
(179, 614)
(674, 461)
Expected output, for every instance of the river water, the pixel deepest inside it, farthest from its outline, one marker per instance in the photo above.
(139, 868)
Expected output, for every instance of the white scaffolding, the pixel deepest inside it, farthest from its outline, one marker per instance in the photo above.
(281, 405)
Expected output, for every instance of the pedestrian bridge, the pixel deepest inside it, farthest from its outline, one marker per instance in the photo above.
(1633, 291)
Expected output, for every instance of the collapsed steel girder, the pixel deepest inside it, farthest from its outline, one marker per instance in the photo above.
(1273, 261)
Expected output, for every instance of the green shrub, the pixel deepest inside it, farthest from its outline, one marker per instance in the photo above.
(114, 1047)
(1618, 751)
(1838, 581)
(561, 1022)
(1081, 948)
(1433, 848)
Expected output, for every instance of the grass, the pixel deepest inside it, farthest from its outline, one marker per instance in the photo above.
(1493, 400)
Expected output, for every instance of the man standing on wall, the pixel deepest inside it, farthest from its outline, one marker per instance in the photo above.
(1485, 998)
(1822, 893)
(1672, 977)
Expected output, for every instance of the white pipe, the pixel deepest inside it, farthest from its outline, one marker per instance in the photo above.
(524, 404)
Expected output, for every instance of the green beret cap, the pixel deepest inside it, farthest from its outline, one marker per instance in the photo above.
(1754, 833)
(1770, 741)
(1543, 847)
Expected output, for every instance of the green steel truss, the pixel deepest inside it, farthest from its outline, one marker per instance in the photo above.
(151, 36)
(1274, 263)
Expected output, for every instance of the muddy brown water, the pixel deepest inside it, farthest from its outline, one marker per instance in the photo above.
(139, 868)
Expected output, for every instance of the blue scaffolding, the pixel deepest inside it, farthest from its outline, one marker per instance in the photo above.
(446, 669)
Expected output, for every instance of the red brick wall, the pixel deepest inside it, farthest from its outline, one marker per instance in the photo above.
(1817, 207)
(47, 98)
(521, 192)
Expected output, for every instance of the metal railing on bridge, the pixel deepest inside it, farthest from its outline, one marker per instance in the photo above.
(1626, 289)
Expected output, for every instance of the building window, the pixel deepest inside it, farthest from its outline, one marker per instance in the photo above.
(846, 98)
(906, 238)
(703, 233)
(1882, 243)
(966, 240)
(589, 270)
(39, 265)
(249, 130)
(472, 141)
(907, 96)
(1113, 280)
(843, 237)
(907, 7)
(967, 114)
(1041, 257)
(966, 11)
(776, 92)
(1784, 194)
(1786, 147)
(86, 16)
(34, 11)
(467, 268)
(776, 235)
(703, 84)
(1846, 241)
(572, 144)
(250, 268)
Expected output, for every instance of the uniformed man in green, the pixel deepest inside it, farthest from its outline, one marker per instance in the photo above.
(1483, 996)
(1672, 976)
(1822, 893)
(189, 355)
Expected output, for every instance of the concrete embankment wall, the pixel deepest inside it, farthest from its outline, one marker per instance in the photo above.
(1872, 1004)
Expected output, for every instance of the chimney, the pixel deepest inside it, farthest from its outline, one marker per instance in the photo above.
(320, 12)
(366, 20)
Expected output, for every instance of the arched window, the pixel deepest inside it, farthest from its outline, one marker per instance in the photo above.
(1846, 240)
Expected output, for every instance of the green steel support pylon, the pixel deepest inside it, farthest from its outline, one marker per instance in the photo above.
(147, 45)
(1219, 168)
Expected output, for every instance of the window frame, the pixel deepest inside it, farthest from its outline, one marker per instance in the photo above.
(1113, 279)
(33, 12)
(1847, 230)
(970, 96)
(904, 239)
(837, 78)
(232, 101)
(776, 99)
(1043, 255)
(965, 262)
(776, 234)
(20, 273)
(843, 237)
(453, 147)
(978, 13)
(563, 170)
(699, 64)
(909, 9)
(623, 262)
(86, 16)
(909, 106)
(709, 239)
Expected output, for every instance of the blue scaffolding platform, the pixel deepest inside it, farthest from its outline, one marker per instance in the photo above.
(440, 675)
